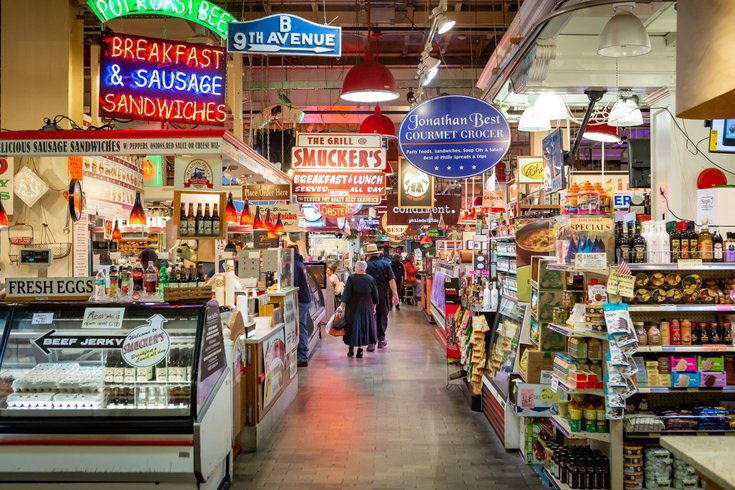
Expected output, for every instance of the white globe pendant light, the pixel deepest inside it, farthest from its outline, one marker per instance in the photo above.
(625, 113)
(551, 106)
(532, 121)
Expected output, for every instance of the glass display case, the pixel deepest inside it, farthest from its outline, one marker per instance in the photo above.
(101, 360)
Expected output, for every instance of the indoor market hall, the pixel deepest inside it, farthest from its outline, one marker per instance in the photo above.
(386, 421)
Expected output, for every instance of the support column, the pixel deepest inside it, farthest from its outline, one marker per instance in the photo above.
(41, 75)
(234, 93)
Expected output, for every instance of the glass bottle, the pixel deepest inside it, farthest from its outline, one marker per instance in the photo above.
(207, 227)
(639, 245)
(674, 242)
(730, 247)
(191, 221)
(215, 220)
(137, 276)
(113, 281)
(693, 242)
(718, 248)
(684, 252)
(199, 221)
(125, 280)
(201, 279)
(100, 285)
(192, 277)
(183, 224)
(705, 244)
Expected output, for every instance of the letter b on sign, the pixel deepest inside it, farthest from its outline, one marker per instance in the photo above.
(284, 23)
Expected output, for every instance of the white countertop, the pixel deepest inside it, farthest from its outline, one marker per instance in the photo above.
(282, 292)
(710, 456)
(260, 334)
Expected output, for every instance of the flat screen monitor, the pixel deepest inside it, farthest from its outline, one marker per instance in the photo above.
(319, 271)
(554, 178)
(722, 136)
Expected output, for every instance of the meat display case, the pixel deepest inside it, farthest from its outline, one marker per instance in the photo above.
(125, 395)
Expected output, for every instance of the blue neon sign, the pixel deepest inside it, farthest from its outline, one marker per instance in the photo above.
(284, 35)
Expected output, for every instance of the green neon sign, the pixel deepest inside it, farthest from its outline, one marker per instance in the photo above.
(202, 12)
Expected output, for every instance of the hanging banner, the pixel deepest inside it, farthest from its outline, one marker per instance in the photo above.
(338, 210)
(198, 174)
(110, 184)
(454, 136)
(7, 170)
(339, 188)
(202, 12)
(160, 80)
(284, 35)
(415, 188)
(266, 192)
(344, 152)
(531, 170)
(447, 206)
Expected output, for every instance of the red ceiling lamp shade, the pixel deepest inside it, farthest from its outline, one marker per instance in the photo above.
(369, 82)
(279, 229)
(603, 133)
(711, 177)
(116, 233)
(268, 221)
(246, 217)
(230, 210)
(378, 123)
(258, 224)
(426, 240)
(3, 216)
(137, 214)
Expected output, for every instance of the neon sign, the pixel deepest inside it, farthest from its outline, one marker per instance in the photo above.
(204, 13)
(155, 79)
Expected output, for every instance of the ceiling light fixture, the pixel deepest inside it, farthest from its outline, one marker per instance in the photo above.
(551, 106)
(378, 123)
(532, 120)
(442, 23)
(116, 233)
(624, 34)
(369, 82)
(625, 112)
(430, 76)
(137, 214)
(602, 133)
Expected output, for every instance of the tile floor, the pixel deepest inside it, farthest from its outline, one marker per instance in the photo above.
(386, 421)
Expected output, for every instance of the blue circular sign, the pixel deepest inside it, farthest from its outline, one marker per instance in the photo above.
(454, 136)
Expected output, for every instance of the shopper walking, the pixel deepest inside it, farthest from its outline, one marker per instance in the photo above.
(386, 283)
(400, 272)
(359, 302)
(304, 305)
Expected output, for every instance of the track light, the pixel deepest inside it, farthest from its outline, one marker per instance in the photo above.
(429, 76)
(444, 24)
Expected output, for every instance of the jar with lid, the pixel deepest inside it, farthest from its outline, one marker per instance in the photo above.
(665, 332)
(654, 335)
(640, 331)
(686, 332)
(675, 329)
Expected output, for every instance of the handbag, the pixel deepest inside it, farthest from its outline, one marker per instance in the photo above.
(338, 324)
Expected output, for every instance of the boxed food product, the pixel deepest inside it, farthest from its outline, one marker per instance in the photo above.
(709, 379)
(684, 364)
(577, 348)
(685, 380)
(708, 363)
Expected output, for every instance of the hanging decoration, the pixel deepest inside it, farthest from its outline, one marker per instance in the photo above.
(137, 214)
(230, 210)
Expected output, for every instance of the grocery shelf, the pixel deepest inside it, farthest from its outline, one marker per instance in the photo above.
(556, 484)
(686, 348)
(655, 435)
(574, 391)
(576, 333)
(663, 308)
(712, 266)
(563, 426)
(666, 389)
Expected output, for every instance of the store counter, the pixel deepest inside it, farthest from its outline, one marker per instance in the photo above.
(710, 456)
(114, 395)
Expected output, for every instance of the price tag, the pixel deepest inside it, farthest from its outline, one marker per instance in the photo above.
(713, 140)
(554, 384)
(590, 261)
(42, 319)
(626, 284)
(687, 263)
(103, 318)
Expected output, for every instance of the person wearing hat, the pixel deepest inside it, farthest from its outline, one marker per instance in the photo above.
(382, 272)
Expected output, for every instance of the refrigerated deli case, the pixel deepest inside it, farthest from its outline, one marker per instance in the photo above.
(120, 395)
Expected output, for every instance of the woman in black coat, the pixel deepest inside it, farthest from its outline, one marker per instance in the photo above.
(359, 300)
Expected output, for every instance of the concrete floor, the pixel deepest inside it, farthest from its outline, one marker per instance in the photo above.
(384, 421)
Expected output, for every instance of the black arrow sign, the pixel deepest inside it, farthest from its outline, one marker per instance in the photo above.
(50, 341)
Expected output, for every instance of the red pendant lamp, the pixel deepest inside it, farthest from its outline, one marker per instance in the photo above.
(268, 221)
(378, 124)
(603, 133)
(369, 82)
(258, 224)
(3, 216)
(246, 218)
(137, 214)
(116, 233)
(279, 229)
(230, 210)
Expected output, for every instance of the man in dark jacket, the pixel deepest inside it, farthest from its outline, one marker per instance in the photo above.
(400, 272)
(299, 280)
(383, 274)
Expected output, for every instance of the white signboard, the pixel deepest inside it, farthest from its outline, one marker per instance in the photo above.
(198, 174)
(41, 289)
(103, 318)
(147, 345)
(81, 246)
